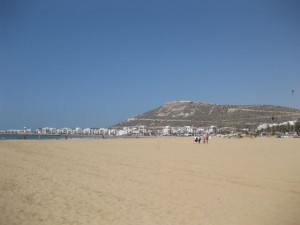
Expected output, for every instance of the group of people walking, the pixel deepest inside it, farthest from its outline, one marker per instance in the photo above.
(204, 138)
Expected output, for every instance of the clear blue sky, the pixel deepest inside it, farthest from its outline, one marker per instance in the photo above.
(95, 63)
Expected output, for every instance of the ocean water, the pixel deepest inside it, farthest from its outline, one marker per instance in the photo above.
(29, 136)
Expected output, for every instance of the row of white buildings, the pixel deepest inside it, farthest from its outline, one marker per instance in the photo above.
(125, 131)
(136, 131)
(129, 131)
(266, 125)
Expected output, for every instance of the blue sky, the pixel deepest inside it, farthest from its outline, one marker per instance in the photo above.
(96, 63)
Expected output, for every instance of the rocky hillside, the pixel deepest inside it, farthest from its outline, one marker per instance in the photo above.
(198, 114)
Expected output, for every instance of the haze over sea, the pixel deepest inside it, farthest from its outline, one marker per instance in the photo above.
(96, 63)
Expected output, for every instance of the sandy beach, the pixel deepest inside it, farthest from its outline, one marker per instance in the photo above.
(149, 181)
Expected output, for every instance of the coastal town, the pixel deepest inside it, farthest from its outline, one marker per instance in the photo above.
(125, 131)
(285, 127)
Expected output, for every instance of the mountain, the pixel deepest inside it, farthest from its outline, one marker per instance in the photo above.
(201, 114)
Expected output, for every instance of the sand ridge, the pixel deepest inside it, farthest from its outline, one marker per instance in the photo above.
(150, 181)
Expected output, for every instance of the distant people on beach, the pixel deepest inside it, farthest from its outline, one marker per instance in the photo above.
(197, 139)
(206, 138)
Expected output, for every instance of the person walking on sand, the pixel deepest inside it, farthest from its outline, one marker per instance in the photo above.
(206, 138)
(203, 139)
(199, 139)
(196, 139)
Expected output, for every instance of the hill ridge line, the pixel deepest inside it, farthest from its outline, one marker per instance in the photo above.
(190, 113)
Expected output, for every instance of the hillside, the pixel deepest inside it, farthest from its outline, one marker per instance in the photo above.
(187, 113)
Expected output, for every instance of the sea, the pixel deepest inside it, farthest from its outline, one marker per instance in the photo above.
(29, 136)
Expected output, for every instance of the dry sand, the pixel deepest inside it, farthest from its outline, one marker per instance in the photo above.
(150, 181)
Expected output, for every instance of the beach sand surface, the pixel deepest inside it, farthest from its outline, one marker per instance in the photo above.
(148, 181)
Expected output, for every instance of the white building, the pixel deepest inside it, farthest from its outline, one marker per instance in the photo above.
(262, 126)
(52, 130)
(166, 131)
(142, 130)
(212, 130)
(78, 130)
(86, 131)
(45, 130)
(103, 131)
(122, 132)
